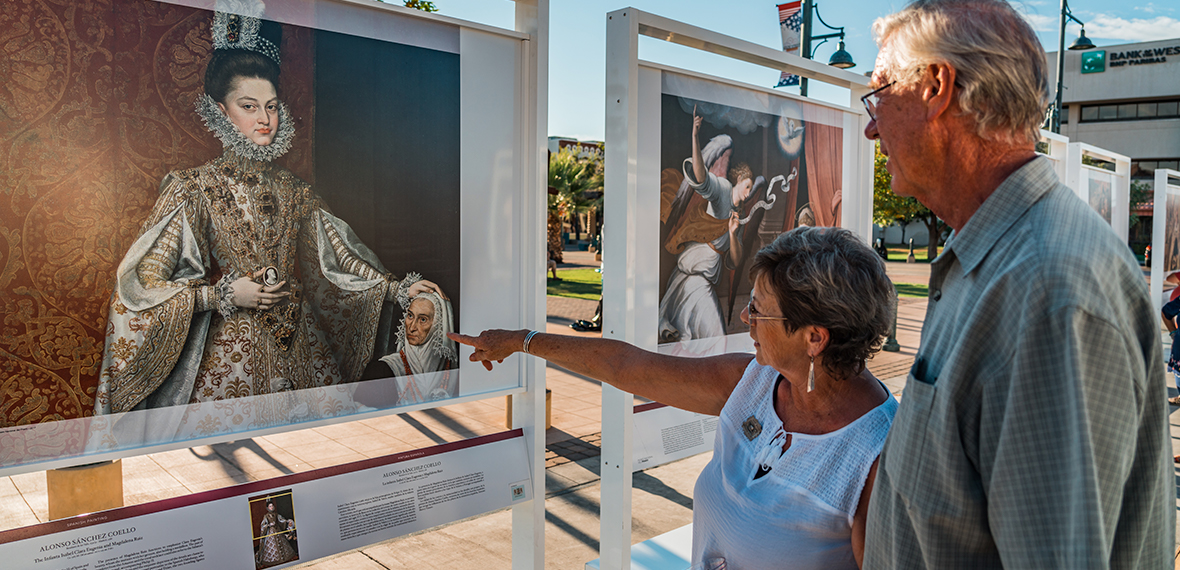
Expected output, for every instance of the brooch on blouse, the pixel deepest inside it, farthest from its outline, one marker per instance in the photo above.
(751, 427)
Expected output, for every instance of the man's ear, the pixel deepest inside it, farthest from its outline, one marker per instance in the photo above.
(938, 89)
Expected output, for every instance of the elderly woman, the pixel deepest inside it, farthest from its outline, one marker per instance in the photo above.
(801, 422)
(425, 356)
(242, 283)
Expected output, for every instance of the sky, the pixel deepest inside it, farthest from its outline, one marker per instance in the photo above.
(577, 45)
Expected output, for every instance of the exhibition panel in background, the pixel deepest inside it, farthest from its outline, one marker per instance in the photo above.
(1165, 237)
(1054, 147)
(1102, 179)
(407, 132)
(681, 232)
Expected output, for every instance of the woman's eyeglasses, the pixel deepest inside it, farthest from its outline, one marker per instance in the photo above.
(754, 315)
(872, 98)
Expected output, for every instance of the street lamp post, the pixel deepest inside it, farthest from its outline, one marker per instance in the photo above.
(841, 58)
(1079, 44)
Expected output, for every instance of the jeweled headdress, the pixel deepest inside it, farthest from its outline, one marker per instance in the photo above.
(237, 24)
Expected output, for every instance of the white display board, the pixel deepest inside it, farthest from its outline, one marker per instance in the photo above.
(1165, 236)
(775, 167)
(1107, 191)
(418, 147)
(420, 205)
(1055, 149)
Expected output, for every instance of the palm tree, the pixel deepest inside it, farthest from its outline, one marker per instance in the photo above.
(575, 187)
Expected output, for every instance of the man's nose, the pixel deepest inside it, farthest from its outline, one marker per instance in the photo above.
(871, 130)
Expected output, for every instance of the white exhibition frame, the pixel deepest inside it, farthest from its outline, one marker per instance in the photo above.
(1057, 151)
(1079, 176)
(503, 153)
(1167, 182)
(630, 283)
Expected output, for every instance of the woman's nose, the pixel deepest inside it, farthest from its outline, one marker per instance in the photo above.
(871, 130)
(745, 315)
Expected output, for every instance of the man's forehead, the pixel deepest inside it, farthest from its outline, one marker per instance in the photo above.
(884, 58)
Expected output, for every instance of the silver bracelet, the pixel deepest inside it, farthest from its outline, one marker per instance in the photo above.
(527, 339)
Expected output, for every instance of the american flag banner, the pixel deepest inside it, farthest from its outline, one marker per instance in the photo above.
(790, 20)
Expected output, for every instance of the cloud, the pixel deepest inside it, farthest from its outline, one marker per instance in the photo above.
(1133, 30)
(1042, 23)
(1151, 8)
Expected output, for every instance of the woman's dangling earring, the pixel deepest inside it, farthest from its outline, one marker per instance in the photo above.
(811, 375)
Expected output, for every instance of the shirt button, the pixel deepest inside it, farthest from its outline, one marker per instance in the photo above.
(936, 295)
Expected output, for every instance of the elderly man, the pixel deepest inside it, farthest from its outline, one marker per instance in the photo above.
(1033, 431)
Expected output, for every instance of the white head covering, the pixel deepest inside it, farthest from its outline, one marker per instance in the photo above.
(716, 147)
(438, 353)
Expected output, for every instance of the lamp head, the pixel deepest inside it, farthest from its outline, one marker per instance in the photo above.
(1082, 42)
(841, 58)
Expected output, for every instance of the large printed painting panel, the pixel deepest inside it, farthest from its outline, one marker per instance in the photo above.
(96, 108)
(737, 168)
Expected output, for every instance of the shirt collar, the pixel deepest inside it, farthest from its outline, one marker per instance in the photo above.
(1010, 200)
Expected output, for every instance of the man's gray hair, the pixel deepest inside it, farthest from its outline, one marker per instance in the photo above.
(999, 63)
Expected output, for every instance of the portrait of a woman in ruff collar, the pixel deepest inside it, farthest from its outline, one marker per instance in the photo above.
(242, 282)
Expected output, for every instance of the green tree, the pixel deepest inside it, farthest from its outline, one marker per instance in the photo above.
(1141, 192)
(575, 187)
(889, 208)
(424, 5)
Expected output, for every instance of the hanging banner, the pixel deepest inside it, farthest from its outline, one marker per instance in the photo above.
(790, 20)
(286, 520)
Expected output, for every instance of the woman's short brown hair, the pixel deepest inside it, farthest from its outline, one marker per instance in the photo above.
(828, 277)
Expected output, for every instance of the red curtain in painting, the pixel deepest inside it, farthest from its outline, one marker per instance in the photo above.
(96, 106)
(825, 163)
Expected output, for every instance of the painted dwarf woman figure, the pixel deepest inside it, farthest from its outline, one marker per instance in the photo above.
(241, 282)
(275, 548)
(425, 357)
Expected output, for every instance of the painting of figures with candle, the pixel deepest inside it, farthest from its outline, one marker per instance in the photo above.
(731, 180)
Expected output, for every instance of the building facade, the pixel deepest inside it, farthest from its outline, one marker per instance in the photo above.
(1124, 98)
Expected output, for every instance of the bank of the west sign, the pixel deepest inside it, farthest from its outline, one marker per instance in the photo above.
(1142, 56)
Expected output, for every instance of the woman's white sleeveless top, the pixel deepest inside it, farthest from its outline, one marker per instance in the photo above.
(797, 515)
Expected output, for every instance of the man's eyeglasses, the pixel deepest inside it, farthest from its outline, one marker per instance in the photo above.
(872, 98)
(754, 315)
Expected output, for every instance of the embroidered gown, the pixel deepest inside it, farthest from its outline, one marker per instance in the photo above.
(275, 548)
(167, 344)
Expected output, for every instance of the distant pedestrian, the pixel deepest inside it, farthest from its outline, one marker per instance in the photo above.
(551, 266)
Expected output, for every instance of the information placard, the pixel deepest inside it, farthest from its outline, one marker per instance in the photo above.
(664, 434)
(281, 521)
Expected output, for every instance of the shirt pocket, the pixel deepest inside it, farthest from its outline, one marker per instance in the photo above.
(908, 437)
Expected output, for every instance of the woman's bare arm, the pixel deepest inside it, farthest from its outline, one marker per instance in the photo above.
(862, 515)
(694, 384)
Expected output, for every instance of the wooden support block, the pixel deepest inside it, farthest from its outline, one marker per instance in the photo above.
(84, 489)
(548, 409)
